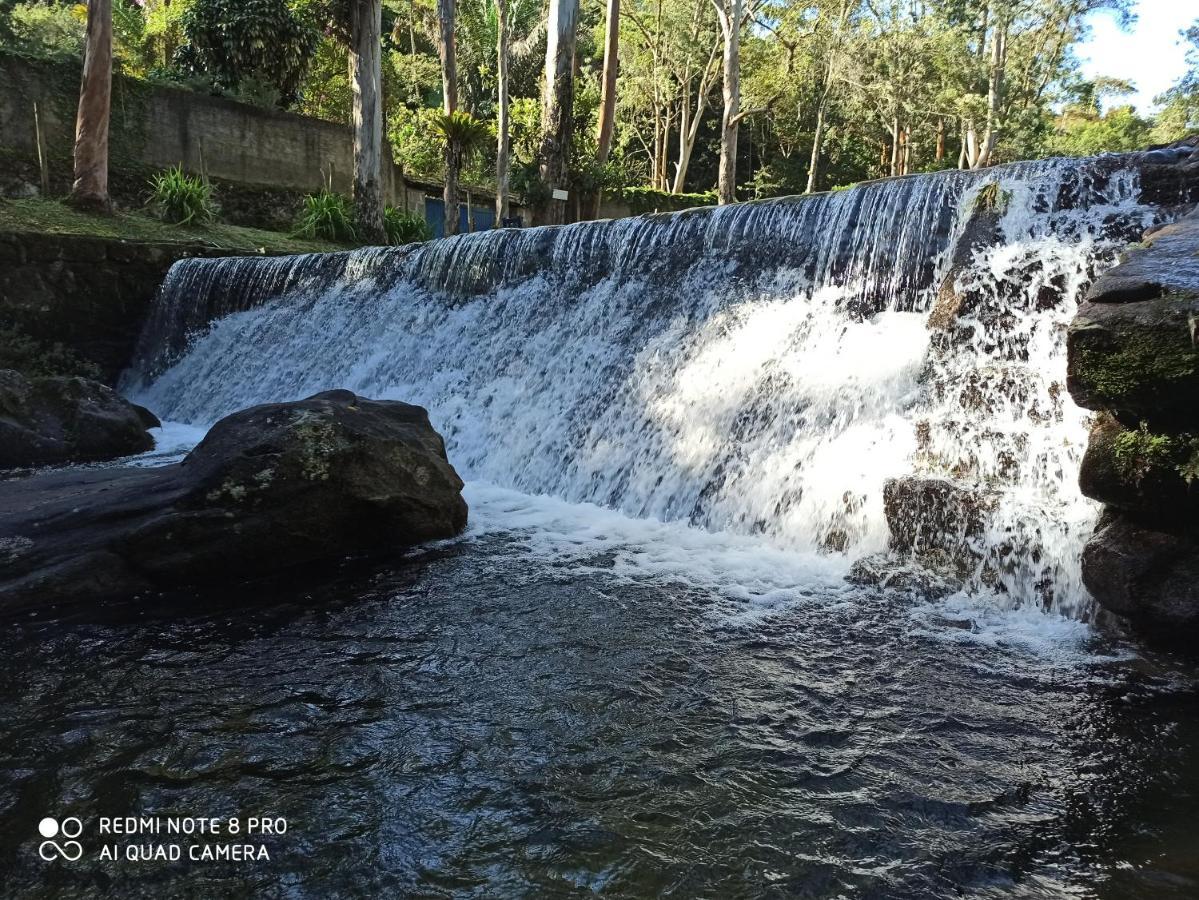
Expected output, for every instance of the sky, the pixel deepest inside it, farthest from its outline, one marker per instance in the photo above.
(1150, 54)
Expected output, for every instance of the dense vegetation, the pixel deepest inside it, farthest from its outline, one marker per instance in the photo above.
(830, 91)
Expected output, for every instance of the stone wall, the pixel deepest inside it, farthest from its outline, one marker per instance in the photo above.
(261, 161)
(89, 294)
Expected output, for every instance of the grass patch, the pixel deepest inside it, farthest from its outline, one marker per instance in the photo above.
(52, 217)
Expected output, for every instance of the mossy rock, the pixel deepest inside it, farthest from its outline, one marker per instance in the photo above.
(1141, 471)
(1139, 359)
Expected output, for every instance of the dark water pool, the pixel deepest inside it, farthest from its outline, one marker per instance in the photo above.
(482, 723)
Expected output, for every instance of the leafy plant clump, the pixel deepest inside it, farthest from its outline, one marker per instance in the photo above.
(1139, 453)
(182, 199)
(327, 216)
(404, 227)
(992, 198)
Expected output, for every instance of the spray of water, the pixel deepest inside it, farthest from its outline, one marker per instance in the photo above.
(759, 369)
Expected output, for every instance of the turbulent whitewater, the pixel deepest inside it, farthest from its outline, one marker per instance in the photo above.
(761, 369)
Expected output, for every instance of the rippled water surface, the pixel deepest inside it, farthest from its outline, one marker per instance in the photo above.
(516, 715)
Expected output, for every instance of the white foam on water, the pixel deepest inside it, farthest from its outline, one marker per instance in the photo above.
(578, 539)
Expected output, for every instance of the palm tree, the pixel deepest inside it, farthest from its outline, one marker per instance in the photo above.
(90, 189)
(463, 135)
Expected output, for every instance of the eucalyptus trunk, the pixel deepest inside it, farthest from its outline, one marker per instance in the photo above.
(607, 112)
(556, 116)
(503, 139)
(730, 13)
(449, 97)
(365, 64)
(90, 188)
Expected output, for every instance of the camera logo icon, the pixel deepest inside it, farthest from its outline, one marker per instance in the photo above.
(68, 828)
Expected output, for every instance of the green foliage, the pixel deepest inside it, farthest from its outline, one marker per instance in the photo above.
(644, 200)
(470, 134)
(414, 142)
(1140, 452)
(34, 359)
(247, 43)
(992, 198)
(1189, 468)
(327, 216)
(48, 29)
(404, 227)
(182, 199)
(1087, 133)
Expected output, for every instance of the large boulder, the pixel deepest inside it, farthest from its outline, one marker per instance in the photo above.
(1133, 348)
(47, 421)
(1149, 577)
(272, 488)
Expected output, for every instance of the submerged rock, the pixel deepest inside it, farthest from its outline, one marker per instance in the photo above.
(936, 514)
(271, 488)
(48, 421)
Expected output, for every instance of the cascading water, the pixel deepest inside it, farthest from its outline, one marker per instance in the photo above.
(760, 369)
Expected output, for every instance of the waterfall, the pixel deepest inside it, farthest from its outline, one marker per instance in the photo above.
(761, 368)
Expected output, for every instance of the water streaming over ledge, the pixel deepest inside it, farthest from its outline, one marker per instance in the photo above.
(759, 369)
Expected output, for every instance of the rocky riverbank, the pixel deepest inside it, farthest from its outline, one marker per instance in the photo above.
(1134, 357)
(273, 488)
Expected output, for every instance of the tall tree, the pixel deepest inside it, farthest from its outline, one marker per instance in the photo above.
(558, 104)
(446, 48)
(607, 113)
(503, 126)
(90, 189)
(832, 60)
(366, 82)
(730, 14)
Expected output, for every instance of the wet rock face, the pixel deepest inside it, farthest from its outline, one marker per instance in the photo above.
(276, 487)
(937, 517)
(1133, 347)
(1134, 355)
(49, 421)
(1145, 575)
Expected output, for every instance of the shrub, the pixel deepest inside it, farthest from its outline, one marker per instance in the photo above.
(182, 199)
(231, 41)
(326, 215)
(404, 227)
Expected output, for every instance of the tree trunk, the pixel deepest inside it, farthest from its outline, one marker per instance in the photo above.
(730, 25)
(503, 139)
(365, 53)
(449, 98)
(90, 189)
(453, 165)
(556, 116)
(940, 151)
(829, 74)
(994, 95)
(816, 139)
(607, 112)
(447, 51)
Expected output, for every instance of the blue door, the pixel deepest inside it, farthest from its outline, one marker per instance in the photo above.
(435, 216)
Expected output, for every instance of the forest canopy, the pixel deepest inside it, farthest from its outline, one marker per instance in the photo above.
(831, 92)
